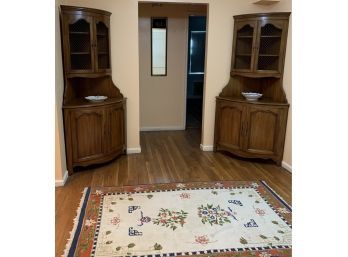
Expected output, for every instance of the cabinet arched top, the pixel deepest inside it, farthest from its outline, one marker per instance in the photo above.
(269, 26)
(232, 107)
(73, 19)
(79, 24)
(243, 26)
(88, 113)
(102, 21)
(271, 112)
(102, 28)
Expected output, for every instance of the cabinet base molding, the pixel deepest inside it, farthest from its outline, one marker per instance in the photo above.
(287, 166)
(134, 150)
(164, 128)
(207, 148)
(61, 182)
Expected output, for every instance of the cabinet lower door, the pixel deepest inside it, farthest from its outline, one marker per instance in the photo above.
(230, 125)
(263, 127)
(87, 134)
(116, 128)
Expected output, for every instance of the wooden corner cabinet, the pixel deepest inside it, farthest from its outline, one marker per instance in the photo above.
(94, 131)
(255, 129)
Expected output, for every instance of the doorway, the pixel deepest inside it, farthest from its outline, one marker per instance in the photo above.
(164, 97)
(195, 71)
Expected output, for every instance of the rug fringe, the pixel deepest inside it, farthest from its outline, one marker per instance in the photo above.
(274, 192)
(76, 221)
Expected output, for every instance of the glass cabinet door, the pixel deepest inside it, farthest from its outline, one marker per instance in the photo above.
(269, 56)
(102, 46)
(80, 54)
(244, 41)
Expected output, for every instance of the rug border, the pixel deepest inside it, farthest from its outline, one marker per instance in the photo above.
(276, 195)
(80, 214)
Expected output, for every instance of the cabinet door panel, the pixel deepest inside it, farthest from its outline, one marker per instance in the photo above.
(102, 53)
(88, 134)
(116, 128)
(262, 130)
(78, 51)
(271, 40)
(243, 44)
(230, 127)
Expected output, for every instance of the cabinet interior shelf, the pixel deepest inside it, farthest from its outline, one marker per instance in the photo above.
(268, 55)
(255, 74)
(79, 32)
(272, 36)
(80, 53)
(244, 36)
(243, 54)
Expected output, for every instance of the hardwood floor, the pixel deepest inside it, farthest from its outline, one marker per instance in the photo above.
(172, 156)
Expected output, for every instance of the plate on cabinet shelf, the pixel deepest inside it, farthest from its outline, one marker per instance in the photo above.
(251, 96)
(96, 98)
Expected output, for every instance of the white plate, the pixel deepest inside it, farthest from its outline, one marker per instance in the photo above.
(96, 98)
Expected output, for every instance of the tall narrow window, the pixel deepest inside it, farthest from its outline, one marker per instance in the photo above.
(158, 46)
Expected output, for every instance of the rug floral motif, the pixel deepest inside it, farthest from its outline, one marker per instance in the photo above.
(226, 218)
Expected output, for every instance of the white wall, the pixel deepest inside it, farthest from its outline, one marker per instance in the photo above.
(125, 56)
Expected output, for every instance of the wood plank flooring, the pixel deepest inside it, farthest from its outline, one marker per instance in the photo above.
(172, 156)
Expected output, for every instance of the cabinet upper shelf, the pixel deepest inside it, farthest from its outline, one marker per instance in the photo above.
(262, 101)
(83, 103)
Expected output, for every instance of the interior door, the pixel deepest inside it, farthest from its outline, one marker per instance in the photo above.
(87, 134)
(244, 42)
(230, 125)
(116, 128)
(80, 54)
(262, 130)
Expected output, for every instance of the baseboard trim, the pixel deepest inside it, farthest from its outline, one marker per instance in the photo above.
(287, 166)
(133, 150)
(207, 148)
(165, 128)
(61, 182)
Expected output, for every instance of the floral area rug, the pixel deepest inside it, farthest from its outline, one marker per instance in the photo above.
(226, 218)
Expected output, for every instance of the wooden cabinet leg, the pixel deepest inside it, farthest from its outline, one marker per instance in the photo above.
(278, 162)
